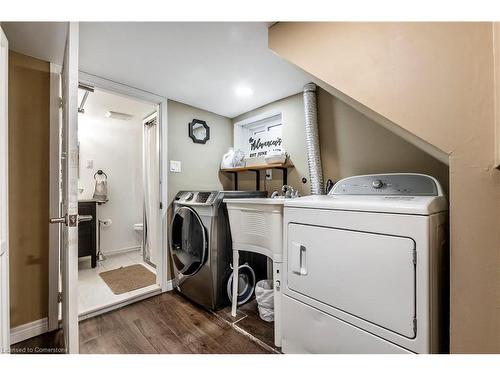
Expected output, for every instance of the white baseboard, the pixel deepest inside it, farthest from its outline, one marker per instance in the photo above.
(120, 251)
(170, 285)
(113, 252)
(28, 330)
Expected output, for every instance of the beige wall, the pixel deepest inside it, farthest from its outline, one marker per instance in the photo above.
(28, 187)
(200, 162)
(434, 80)
(292, 111)
(350, 143)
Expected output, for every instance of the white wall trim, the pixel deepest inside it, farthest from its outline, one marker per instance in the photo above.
(112, 252)
(122, 250)
(28, 330)
(4, 192)
(119, 88)
(113, 306)
(261, 116)
(162, 103)
(170, 285)
(54, 195)
(166, 280)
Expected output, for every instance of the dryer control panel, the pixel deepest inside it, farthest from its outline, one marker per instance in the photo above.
(402, 184)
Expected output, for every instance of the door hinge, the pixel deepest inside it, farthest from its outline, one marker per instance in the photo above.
(161, 205)
(415, 326)
(59, 297)
(414, 256)
(60, 102)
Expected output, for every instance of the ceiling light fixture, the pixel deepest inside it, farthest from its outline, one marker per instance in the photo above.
(118, 115)
(243, 91)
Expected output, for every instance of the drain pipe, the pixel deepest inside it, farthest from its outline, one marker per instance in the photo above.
(312, 140)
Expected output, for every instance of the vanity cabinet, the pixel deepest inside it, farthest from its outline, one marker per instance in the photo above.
(87, 231)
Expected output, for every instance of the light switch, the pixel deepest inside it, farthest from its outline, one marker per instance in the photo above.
(90, 164)
(175, 166)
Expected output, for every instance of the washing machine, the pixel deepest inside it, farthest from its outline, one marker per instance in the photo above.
(366, 267)
(200, 245)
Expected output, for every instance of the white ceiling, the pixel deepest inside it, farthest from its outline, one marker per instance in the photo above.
(43, 40)
(201, 64)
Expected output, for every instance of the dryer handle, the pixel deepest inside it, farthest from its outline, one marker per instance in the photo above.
(298, 259)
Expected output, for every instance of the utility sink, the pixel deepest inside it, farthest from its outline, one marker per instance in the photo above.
(257, 225)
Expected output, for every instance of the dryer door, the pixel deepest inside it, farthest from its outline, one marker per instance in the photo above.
(368, 275)
(188, 241)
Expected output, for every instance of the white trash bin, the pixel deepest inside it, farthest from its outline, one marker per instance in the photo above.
(264, 294)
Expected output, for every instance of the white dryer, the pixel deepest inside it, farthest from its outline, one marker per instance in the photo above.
(365, 267)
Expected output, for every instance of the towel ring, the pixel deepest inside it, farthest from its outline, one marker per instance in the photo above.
(100, 172)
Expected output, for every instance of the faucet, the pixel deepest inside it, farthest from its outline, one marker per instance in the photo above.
(289, 191)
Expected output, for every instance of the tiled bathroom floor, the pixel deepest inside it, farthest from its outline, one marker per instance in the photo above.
(94, 293)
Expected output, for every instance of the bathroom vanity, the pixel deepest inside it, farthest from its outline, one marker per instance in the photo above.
(87, 231)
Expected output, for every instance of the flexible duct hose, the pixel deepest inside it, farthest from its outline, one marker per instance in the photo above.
(312, 140)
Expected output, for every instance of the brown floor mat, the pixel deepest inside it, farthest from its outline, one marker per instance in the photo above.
(126, 279)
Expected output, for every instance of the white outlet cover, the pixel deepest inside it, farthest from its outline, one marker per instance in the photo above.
(175, 166)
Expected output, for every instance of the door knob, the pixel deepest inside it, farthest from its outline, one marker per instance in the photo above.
(83, 218)
(58, 220)
(63, 220)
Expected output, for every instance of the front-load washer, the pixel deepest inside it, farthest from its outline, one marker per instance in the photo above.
(201, 247)
(365, 267)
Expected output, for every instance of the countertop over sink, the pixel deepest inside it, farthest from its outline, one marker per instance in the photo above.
(276, 201)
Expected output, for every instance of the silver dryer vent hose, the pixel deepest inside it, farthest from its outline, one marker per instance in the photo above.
(312, 140)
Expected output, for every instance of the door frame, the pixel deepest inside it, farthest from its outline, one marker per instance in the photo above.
(69, 182)
(54, 196)
(163, 278)
(4, 199)
(162, 108)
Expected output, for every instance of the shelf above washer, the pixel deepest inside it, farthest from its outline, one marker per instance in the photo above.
(257, 168)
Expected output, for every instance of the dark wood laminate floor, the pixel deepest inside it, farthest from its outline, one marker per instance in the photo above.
(48, 343)
(167, 323)
(248, 319)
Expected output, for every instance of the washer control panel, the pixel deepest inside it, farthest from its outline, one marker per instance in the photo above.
(196, 197)
(406, 184)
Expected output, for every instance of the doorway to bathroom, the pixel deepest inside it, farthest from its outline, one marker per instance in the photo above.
(119, 239)
(117, 146)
